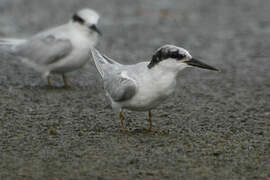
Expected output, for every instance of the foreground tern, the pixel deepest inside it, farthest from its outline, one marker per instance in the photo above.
(144, 86)
(61, 49)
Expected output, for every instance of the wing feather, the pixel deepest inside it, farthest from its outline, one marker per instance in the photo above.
(116, 81)
(44, 50)
(119, 87)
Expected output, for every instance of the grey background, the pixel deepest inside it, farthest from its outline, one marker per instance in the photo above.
(215, 127)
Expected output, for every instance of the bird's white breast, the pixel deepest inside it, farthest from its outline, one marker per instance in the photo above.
(81, 44)
(151, 91)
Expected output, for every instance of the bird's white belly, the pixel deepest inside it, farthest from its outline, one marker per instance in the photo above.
(77, 59)
(150, 97)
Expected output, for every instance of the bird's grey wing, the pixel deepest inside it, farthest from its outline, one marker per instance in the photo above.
(119, 87)
(44, 50)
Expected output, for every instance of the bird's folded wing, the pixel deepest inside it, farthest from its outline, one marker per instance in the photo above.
(44, 50)
(120, 88)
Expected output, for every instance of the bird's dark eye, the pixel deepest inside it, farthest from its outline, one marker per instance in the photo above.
(181, 56)
(176, 55)
(92, 27)
(78, 19)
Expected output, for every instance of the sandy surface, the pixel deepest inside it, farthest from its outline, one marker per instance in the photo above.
(216, 126)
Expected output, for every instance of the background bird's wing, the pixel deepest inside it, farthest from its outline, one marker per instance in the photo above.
(119, 87)
(44, 50)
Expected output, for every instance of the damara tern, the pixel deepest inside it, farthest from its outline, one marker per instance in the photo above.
(145, 85)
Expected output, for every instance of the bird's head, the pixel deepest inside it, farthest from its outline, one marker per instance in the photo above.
(88, 19)
(175, 59)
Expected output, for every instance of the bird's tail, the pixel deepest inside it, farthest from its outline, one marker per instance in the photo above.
(101, 61)
(10, 42)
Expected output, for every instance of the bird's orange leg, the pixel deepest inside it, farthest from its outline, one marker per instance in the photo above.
(150, 121)
(121, 117)
(49, 81)
(65, 80)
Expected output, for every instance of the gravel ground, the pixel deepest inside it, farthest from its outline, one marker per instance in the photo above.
(215, 127)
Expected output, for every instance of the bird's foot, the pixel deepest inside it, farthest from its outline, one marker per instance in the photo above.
(66, 86)
(121, 117)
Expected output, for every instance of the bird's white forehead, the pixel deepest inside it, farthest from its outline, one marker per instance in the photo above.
(90, 16)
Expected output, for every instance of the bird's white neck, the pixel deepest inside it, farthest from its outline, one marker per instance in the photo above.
(78, 26)
(160, 77)
(82, 34)
(162, 72)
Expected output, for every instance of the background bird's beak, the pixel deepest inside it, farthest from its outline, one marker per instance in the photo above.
(197, 63)
(94, 28)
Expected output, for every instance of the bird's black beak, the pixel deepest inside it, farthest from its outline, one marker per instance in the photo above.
(197, 63)
(94, 28)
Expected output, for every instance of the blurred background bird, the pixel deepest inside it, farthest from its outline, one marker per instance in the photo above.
(58, 50)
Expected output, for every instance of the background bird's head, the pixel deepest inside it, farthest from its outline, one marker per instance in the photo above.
(175, 59)
(88, 19)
